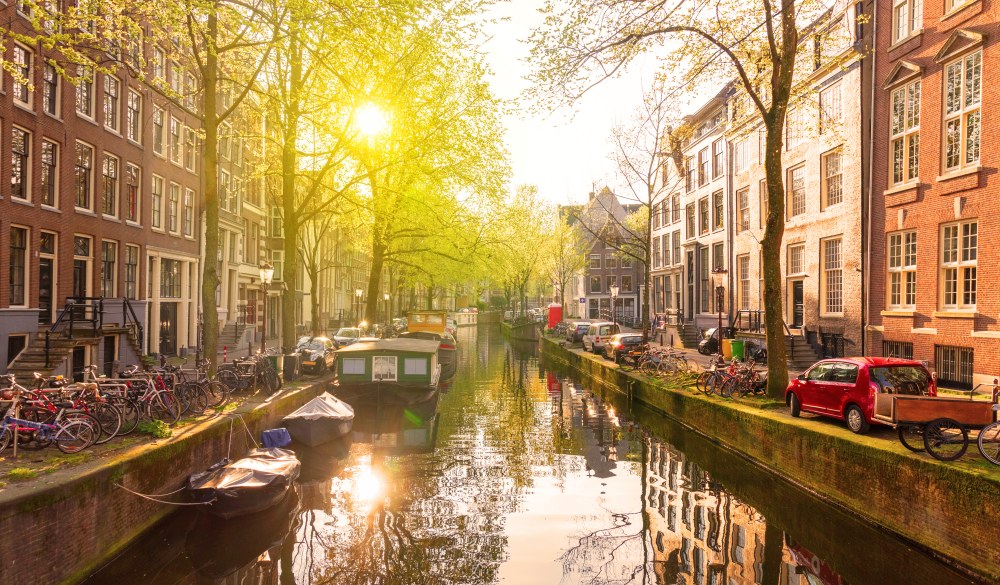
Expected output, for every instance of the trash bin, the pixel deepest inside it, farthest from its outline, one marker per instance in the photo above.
(275, 363)
(727, 348)
(738, 348)
(291, 366)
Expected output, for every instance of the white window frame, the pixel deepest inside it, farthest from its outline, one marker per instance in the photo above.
(907, 18)
(133, 116)
(963, 121)
(958, 263)
(116, 167)
(904, 133)
(175, 138)
(831, 108)
(54, 89)
(23, 92)
(85, 86)
(901, 288)
(90, 176)
(350, 366)
(114, 270)
(743, 275)
(26, 267)
(831, 176)
(111, 106)
(796, 194)
(54, 204)
(159, 143)
(157, 195)
(831, 267)
(743, 210)
(409, 365)
(795, 251)
(133, 170)
(27, 163)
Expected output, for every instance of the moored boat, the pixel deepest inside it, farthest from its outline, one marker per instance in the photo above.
(447, 350)
(405, 370)
(320, 420)
(254, 483)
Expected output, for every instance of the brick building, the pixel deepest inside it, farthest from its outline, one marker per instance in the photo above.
(931, 185)
(102, 201)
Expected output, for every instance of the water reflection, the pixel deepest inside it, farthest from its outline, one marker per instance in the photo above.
(518, 474)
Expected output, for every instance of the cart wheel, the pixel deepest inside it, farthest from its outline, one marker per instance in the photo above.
(912, 437)
(989, 443)
(945, 439)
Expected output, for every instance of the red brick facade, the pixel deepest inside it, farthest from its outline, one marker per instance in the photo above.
(937, 304)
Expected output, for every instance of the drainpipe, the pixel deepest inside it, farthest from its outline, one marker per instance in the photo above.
(866, 207)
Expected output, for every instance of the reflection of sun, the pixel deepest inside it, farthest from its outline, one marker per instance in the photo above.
(367, 487)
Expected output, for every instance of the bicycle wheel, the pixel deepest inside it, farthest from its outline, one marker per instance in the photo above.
(5, 438)
(912, 437)
(680, 363)
(229, 378)
(272, 383)
(716, 382)
(75, 435)
(945, 439)
(131, 414)
(35, 440)
(988, 442)
(110, 419)
(192, 398)
(701, 382)
(164, 406)
(730, 388)
(217, 393)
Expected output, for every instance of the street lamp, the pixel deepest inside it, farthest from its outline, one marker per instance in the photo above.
(357, 300)
(719, 275)
(614, 300)
(385, 308)
(266, 275)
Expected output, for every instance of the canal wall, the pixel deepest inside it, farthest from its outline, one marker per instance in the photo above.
(949, 509)
(61, 531)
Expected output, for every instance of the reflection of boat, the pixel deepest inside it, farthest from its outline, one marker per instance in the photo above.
(323, 461)
(398, 429)
(218, 548)
(320, 420)
(812, 565)
(254, 483)
(404, 371)
(447, 350)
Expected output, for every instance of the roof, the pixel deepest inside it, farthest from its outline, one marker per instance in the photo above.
(875, 361)
(410, 345)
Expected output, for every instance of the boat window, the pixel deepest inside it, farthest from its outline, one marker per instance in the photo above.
(415, 366)
(384, 367)
(354, 365)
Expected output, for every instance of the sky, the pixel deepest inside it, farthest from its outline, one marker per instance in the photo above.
(565, 152)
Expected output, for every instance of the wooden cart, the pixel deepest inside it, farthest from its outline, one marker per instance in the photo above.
(939, 424)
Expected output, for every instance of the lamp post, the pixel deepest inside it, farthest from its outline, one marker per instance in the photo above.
(720, 296)
(385, 308)
(266, 274)
(357, 302)
(614, 300)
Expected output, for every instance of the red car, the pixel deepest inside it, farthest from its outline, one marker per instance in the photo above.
(845, 388)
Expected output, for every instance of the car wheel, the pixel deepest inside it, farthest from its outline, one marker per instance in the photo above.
(796, 408)
(856, 420)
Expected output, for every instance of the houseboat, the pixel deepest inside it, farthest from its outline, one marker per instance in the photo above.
(465, 318)
(434, 325)
(405, 371)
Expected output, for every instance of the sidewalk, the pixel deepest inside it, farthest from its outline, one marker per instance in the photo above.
(225, 354)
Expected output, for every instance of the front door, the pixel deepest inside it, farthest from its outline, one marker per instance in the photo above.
(690, 286)
(79, 362)
(168, 328)
(46, 280)
(797, 304)
(110, 354)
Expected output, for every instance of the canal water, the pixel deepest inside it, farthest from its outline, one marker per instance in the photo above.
(517, 474)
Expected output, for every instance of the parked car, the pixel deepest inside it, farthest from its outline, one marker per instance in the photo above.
(845, 388)
(598, 334)
(709, 343)
(347, 335)
(619, 346)
(576, 331)
(508, 315)
(319, 354)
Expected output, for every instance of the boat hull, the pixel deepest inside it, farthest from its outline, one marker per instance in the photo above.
(386, 392)
(318, 431)
(246, 486)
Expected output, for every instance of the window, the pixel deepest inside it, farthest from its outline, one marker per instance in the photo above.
(133, 117)
(690, 220)
(675, 208)
(277, 228)
(832, 283)
(176, 84)
(741, 155)
(797, 191)
(156, 202)
(158, 131)
(743, 213)
(677, 247)
(175, 141)
(18, 264)
(743, 274)
(612, 281)
(830, 109)
(595, 261)
(354, 366)
(718, 257)
(173, 207)
(109, 256)
(414, 366)
(897, 349)
(655, 216)
(170, 278)
(595, 284)
(703, 271)
(190, 89)
(190, 152)
(610, 261)
(689, 174)
(131, 272)
(795, 127)
(110, 190)
(112, 95)
(959, 254)
(718, 213)
(905, 133)
(627, 262)
(796, 254)
(83, 180)
(159, 64)
(50, 173)
(665, 248)
(85, 92)
(188, 213)
(50, 89)
(20, 164)
(907, 18)
(703, 215)
(954, 366)
(22, 75)
(833, 179)
(132, 175)
(763, 204)
(224, 192)
(903, 269)
(656, 252)
(626, 283)
(963, 92)
(718, 148)
(703, 166)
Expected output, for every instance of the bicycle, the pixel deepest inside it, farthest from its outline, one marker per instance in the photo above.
(712, 380)
(69, 435)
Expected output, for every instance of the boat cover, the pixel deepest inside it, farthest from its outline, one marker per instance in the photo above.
(323, 406)
(260, 468)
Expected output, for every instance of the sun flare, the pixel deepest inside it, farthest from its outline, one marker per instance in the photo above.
(370, 120)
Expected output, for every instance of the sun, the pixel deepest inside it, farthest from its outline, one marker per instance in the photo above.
(370, 120)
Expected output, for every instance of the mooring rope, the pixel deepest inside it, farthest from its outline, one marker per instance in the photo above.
(154, 499)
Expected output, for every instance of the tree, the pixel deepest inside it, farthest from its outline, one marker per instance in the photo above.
(564, 256)
(585, 42)
(523, 224)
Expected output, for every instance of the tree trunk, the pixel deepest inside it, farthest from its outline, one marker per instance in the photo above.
(375, 280)
(774, 322)
(210, 190)
(317, 325)
(290, 220)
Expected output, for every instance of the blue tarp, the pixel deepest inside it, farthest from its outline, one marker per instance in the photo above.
(276, 438)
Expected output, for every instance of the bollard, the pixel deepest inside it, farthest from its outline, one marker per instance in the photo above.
(225, 353)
